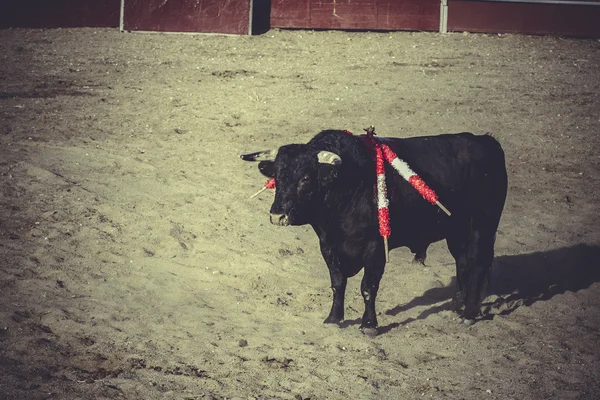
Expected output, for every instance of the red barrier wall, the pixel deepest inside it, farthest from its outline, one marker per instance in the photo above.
(214, 16)
(59, 13)
(356, 14)
(529, 18)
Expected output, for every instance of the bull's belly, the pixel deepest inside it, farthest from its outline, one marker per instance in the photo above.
(418, 228)
(351, 254)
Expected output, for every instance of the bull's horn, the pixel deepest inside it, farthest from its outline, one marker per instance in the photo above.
(265, 155)
(327, 157)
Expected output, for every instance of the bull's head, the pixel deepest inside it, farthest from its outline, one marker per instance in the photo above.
(302, 177)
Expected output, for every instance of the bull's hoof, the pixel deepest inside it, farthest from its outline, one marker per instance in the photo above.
(369, 331)
(471, 312)
(333, 320)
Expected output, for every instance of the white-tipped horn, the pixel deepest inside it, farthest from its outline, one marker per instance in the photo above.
(265, 155)
(327, 157)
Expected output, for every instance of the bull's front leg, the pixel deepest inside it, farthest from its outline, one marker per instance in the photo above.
(338, 286)
(338, 280)
(369, 287)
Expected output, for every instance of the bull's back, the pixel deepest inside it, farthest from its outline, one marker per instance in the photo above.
(453, 160)
(467, 172)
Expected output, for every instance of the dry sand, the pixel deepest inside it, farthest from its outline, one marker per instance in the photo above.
(134, 265)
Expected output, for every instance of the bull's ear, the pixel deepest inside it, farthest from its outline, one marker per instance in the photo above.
(327, 174)
(267, 168)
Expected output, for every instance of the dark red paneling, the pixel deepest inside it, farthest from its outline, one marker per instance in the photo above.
(409, 15)
(356, 14)
(529, 18)
(290, 13)
(59, 13)
(214, 16)
(341, 15)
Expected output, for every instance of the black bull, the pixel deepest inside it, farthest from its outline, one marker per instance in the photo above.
(329, 183)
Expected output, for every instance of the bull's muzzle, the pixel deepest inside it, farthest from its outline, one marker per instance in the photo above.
(280, 219)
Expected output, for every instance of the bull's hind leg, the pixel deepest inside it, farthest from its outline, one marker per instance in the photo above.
(457, 244)
(480, 255)
(420, 256)
(474, 253)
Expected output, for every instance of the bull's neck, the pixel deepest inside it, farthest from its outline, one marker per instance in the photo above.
(352, 202)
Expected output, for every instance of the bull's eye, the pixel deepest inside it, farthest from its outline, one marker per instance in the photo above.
(304, 180)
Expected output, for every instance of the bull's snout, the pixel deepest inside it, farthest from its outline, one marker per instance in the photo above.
(280, 219)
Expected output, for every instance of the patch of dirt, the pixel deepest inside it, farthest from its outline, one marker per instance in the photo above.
(134, 265)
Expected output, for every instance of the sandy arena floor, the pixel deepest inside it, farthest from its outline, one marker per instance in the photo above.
(134, 265)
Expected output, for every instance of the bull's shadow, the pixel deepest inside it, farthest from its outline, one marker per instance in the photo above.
(518, 280)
